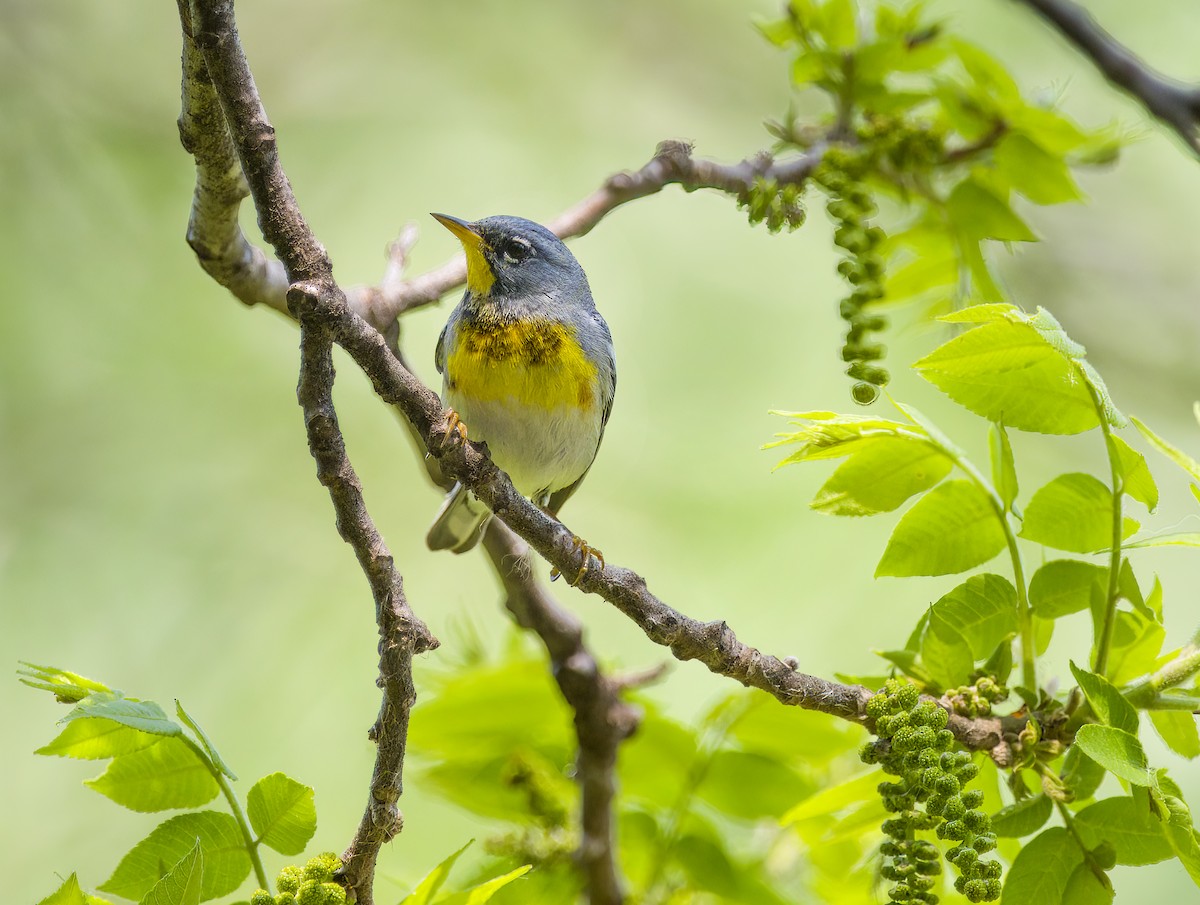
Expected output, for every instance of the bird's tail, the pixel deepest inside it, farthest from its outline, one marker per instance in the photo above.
(459, 523)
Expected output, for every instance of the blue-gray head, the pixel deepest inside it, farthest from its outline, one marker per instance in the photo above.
(514, 257)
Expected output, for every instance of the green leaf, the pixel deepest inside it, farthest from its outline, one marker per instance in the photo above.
(1178, 827)
(282, 813)
(1139, 483)
(477, 895)
(983, 609)
(67, 687)
(946, 655)
(1132, 830)
(1178, 729)
(837, 25)
(1004, 469)
(1137, 642)
(1085, 888)
(803, 736)
(880, 476)
(988, 73)
(1022, 817)
(428, 887)
(1081, 774)
(1040, 176)
(1107, 703)
(145, 716)
(1064, 586)
(979, 212)
(67, 894)
(751, 786)
(1039, 873)
(181, 885)
(1117, 751)
(226, 863)
(1176, 455)
(854, 790)
(1017, 368)
(209, 748)
(1182, 539)
(93, 738)
(167, 775)
(951, 529)
(1073, 512)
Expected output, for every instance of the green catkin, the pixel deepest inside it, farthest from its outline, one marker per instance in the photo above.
(914, 745)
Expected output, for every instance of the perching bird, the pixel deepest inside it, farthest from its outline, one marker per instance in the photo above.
(527, 365)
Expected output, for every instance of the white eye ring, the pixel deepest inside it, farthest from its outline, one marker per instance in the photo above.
(516, 250)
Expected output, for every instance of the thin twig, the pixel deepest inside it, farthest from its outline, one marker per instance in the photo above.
(1175, 103)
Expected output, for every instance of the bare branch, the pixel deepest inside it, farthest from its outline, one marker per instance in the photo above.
(672, 164)
(1175, 103)
(401, 634)
(602, 719)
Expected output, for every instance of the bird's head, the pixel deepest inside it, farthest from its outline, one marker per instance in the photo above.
(513, 257)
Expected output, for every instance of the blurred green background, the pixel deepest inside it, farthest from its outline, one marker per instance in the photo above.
(160, 525)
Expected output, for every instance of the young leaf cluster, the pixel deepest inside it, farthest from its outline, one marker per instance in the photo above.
(157, 764)
(939, 128)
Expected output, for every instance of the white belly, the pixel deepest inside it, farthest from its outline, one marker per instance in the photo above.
(541, 450)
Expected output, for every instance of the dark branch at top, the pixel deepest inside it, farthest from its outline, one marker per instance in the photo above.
(1175, 103)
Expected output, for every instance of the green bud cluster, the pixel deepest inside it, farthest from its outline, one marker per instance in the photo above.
(536, 845)
(930, 794)
(778, 206)
(314, 884)
(841, 174)
(977, 699)
(902, 147)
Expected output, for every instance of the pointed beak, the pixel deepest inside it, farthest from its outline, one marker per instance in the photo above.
(479, 272)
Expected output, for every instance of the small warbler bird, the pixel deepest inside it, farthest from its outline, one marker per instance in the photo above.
(528, 368)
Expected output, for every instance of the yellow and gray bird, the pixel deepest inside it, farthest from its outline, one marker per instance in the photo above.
(527, 364)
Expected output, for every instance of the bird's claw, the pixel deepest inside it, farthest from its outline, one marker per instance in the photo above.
(587, 552)
(456, 430)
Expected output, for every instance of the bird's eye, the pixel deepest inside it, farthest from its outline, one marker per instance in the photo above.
(516, 250)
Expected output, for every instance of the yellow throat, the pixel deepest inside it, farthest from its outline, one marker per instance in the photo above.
(480, 278)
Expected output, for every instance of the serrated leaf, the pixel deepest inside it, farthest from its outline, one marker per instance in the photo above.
(1022, 817)
(164, 776)
(1139, 482)
(1074, 513)
(1176, 455)
(226, 862)
(428, 887)
(980, 213)
(880, 476)
(1084, 887)
(67, 894)
(206, 743)
(1178, 730)
(1007, 369)
(67, 687)
(1040, 176)
(484, 892)
(1133, 831)
(983, 609)
(1117, 751)
(282, 813)
(951, 529)
(1039, 873)
(1107, 703)
(93, 738)
(1004, 469)
(181, 885)
(1064, 586)
(145, 716)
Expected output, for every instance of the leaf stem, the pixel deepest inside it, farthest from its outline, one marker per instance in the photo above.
(1094, 866)
(251, 844)
(1104, 642)
(1024, 611)
(1147, 691)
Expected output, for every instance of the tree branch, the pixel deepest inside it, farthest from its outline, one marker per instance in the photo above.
(602, 719)
(1175, 103)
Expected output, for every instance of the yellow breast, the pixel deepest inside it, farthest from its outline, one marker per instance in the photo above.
(538, 363)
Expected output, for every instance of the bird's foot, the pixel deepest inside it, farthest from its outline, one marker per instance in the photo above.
(456, 430)
(587, 552)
